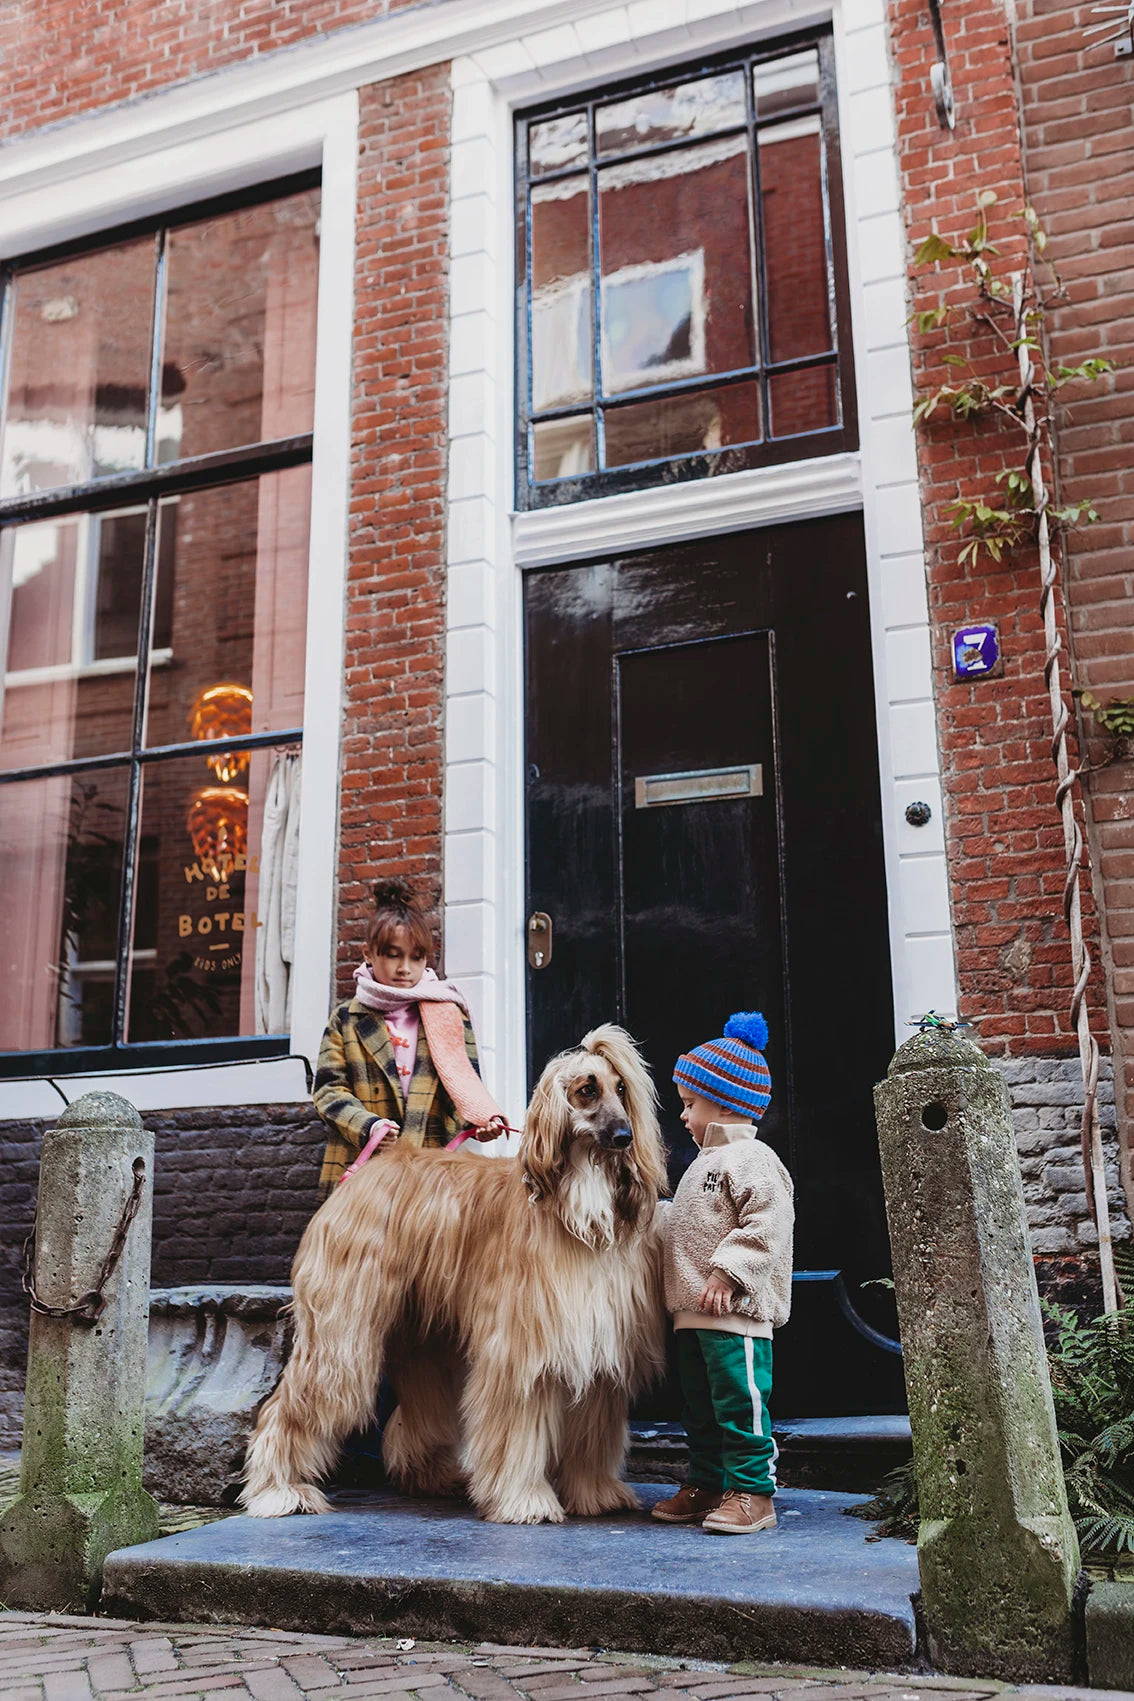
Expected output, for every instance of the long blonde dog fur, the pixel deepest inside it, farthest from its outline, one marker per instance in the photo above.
(513, 1302)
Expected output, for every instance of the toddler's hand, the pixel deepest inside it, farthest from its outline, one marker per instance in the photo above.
(717, 1296)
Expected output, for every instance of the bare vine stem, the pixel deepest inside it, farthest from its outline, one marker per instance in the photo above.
(1094, 1162)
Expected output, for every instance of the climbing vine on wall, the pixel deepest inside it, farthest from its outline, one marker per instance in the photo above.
(996, 367)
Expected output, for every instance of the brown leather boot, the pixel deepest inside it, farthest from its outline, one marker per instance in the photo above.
(688, 1506)
(741, 1514)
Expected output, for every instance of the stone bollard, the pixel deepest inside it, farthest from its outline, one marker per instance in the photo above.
(996, 1547)
(81, 1491)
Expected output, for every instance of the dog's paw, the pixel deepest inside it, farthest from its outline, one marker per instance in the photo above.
(592, 1499)
(281, 1502)
(539, 1507)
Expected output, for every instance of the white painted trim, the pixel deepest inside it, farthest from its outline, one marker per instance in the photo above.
(484, 754)
(763, 496)
(323, 133)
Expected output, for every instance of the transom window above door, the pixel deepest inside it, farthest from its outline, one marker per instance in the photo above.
(683, 303)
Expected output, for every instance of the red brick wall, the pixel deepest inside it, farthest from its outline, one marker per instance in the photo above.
(68, 56)
(1078, 117)
(1003, 835)
(395, 625)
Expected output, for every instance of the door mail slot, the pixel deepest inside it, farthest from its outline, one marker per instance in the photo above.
(699, 785)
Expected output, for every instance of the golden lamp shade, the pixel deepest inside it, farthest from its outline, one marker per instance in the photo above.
(223, 711)
(218, 826)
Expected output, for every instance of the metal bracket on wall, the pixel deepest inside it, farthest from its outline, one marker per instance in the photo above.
(939, 78)
(1121, 15)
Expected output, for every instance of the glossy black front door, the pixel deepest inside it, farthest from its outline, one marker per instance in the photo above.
(704, 832)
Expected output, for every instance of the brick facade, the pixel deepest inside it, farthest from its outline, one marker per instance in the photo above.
(1078, 103)
(1005, 846)
(133, 49)
(395, 627)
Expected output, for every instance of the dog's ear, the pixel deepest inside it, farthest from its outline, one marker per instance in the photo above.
(547, 1126)
(647, 1154)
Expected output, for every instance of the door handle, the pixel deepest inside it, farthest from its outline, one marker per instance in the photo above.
(539, 940)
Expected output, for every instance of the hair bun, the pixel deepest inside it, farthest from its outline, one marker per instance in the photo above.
(749, 1026)
(396, 893)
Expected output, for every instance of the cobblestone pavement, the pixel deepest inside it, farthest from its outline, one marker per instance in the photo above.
(54, 1657)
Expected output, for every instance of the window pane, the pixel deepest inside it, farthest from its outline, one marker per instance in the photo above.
(558, 144)
(232, 594)
(239, 351)
(207, 851)
(79, 369)
(806, 400)
(783, 85)
(676, 266)
(60, 872)
(670, 115)
(561, 293)
(696, 422)
(563, 448)
(795, 242)
(70, 593)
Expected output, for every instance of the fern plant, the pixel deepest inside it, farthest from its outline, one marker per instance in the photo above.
(1092, 1381)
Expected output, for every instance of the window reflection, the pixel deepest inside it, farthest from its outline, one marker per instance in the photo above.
(795, 240)
(784, 85)
(676, 265)
(79, 366)
(73, 590)
(60, 876)
(695, 422)
(714, 325)
(561, 293)
(238, 358)
(232, 580)
(558, 144)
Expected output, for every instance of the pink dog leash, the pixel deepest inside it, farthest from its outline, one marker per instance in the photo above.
(382, 1127)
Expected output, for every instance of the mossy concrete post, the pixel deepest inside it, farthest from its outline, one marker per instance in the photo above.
(996, 1547)
(81, 1491)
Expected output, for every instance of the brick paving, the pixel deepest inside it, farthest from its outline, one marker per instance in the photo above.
(56, 1657)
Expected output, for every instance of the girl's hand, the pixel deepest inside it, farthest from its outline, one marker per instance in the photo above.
(717, 1296)
(491, 1129)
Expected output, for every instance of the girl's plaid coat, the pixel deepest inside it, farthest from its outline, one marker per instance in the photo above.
(357, 1080)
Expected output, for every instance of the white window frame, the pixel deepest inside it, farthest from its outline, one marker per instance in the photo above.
(135, 175)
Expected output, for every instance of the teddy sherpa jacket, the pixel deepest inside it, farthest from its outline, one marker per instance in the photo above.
(732, 1212)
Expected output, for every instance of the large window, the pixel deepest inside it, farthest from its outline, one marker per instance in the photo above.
(155, 448)
(683, 277)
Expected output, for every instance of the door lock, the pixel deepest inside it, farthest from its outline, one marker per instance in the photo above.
(539, 940)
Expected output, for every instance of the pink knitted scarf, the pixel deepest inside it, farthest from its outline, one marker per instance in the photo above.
(441, 1006)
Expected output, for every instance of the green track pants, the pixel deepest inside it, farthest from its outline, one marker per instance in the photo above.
(726, 1381)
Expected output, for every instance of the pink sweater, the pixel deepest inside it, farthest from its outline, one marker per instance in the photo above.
(402, 1025)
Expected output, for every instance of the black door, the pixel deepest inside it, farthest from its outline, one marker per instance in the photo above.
(704, 832)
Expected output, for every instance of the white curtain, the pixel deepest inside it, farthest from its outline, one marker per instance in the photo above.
(279, 868)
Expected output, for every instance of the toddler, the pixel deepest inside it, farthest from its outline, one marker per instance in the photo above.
(728, 1263)
(399, 1060)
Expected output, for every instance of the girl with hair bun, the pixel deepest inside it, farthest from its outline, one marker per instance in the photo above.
(398, 1061)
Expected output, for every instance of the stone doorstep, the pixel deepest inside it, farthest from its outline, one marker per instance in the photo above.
(815, 1589)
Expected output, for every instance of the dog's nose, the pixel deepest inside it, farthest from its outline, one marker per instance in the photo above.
(620, 1137)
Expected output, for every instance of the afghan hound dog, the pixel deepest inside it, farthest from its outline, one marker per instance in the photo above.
(514, 1304)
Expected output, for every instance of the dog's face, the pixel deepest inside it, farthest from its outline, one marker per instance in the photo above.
(596, 1094)
(593, 1113)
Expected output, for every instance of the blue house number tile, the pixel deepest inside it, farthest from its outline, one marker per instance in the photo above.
(976, 651)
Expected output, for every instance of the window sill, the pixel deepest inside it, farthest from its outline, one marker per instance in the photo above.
(270, 1079)
(643, 519)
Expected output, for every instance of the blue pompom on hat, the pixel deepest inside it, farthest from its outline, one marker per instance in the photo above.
(731, 1071)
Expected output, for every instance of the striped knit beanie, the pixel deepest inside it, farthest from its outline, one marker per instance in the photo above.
(731, 1071)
